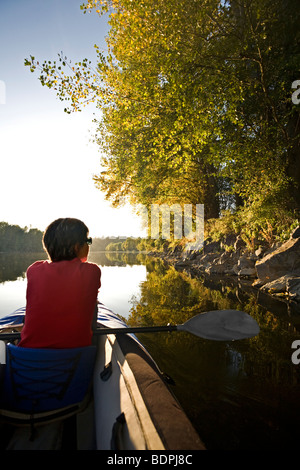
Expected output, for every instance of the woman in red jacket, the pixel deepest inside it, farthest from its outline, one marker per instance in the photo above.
(61, 298)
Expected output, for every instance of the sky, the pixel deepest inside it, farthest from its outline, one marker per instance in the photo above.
(47, 157)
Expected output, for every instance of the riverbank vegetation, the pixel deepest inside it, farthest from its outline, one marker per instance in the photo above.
(197, 103)
(16, 239)
(223, 231)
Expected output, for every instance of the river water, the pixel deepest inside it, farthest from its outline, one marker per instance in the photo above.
(242, 395)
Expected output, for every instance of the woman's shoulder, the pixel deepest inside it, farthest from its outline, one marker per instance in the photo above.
(92, 272)
(91, 267)
(36, 268)
(94, 266)
(37, 264)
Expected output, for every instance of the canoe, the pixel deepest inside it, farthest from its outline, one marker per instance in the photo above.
(122, 401)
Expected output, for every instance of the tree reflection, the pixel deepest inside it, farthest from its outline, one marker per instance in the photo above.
(240, 394)
(170, 296)
(14, 265)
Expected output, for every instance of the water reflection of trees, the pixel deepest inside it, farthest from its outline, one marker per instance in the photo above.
(172, 296)
(14, 265)
(242, 393)
(169, 296)
(117, 258)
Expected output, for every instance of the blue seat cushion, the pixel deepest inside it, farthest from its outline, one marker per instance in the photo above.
(38, 380)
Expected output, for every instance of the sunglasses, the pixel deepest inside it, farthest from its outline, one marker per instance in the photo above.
(89, 241)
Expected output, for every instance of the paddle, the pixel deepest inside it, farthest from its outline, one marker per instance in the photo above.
(218, 325)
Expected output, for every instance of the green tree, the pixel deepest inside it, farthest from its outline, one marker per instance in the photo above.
(195, 101)
(21, 240)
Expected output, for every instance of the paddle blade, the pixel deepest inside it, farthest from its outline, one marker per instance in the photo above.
(222, 325)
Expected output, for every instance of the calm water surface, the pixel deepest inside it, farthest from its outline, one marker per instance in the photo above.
(120, 281)
(242, 395)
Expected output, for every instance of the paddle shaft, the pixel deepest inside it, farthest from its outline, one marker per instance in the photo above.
(107, 331)
(218, 325)
(135, 329)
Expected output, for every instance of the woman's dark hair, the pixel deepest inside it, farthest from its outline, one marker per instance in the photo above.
(61, 236)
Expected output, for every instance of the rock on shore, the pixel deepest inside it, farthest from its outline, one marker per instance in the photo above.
(279, 271)
(275, 270)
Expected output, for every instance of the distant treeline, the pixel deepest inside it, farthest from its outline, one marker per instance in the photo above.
(140, 244)
(129, 244)
(15, 239)
(103, 243)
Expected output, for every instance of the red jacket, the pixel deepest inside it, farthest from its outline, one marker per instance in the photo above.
(61, 298)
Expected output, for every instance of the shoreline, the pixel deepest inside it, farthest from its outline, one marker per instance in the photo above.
(274, 271)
